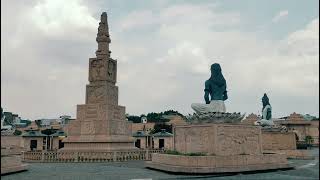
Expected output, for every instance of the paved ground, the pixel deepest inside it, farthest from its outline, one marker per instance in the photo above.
(305, 169)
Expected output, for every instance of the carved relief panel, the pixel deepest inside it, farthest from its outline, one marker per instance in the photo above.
(97, 69)
(102, 94)
(118, 127)
(112, 70)
(96, 94)
(87, 128)
(235, 140)
(102, 70)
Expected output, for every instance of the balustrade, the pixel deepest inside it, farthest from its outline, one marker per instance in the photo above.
(54, 156)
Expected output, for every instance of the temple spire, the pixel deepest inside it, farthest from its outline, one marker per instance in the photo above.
(103, 38)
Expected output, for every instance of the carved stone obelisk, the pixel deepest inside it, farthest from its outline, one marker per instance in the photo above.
(101, 123)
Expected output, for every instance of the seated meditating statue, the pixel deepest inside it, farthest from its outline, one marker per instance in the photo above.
(215, 87)
(266, 113)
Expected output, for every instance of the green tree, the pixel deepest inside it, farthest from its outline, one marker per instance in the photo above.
(134, 119)
(158, 126)
(309, 140)
(17, 133)
(48, 131)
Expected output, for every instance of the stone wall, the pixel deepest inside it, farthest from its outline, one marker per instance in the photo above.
(314, 132)
(217, 164)
(147, 127)
(9, 141)
(278, 141)
(218, 139)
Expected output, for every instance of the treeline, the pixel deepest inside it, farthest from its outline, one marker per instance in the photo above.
(153, 116)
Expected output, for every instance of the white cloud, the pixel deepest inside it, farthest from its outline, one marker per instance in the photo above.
(59, 17)
(280, 16)
(188, 14)
(138, 19)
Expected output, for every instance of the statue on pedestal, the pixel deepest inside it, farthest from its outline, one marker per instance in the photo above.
(6, 129)
(266, 113)
(215, 93)
(216, 87)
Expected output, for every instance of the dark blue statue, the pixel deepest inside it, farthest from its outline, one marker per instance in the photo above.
(266, 107)
(266, 113)
(216, 88)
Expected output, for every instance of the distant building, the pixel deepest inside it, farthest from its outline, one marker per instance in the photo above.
(61, 121)
(174, 120)
(301, 126)
(144, 139)
(163, 140)
(144, 119)
(14, 120)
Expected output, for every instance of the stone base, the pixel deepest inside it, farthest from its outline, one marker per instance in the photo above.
(98, 143)
(217, 164)
(97, 147)
(294, 154)
(275, 140)
(13, 169)
(11, 164)
(218, 139)
(98, 139)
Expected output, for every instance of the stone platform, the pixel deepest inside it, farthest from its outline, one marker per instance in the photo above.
(11, 161)
(217, 164)
(273, 140)
(228, 147)
(283, 143)
(218, 139)
(97, 146)
(294, 154)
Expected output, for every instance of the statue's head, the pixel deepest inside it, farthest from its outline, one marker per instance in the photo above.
(265, 100)
(215, 68)
(104, 17)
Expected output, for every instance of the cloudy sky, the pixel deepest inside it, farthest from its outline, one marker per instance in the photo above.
(164, 51)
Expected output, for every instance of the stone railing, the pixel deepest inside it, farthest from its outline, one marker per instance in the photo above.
(110, 156)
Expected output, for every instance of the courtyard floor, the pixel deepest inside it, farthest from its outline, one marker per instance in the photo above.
(304, 169)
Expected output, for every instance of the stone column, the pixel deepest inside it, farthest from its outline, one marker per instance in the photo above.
(76, 156)
(147, 154)
(114, 156)
(42, 156)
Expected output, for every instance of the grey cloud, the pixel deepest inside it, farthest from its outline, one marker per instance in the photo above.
(156, 71)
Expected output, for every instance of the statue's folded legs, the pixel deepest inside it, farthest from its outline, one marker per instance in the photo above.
(264, 122)
(214, 106)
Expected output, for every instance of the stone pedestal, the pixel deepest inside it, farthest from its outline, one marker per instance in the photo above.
(101, 124)
(217, 164)
(228, 148)
(99, 127)
(218, 139)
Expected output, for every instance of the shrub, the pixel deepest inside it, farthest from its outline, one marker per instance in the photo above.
(174, 152)
(17, 133)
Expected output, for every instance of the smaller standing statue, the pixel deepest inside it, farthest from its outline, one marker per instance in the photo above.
(266, 113)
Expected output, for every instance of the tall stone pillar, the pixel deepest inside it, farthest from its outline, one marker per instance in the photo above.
(101, 124)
